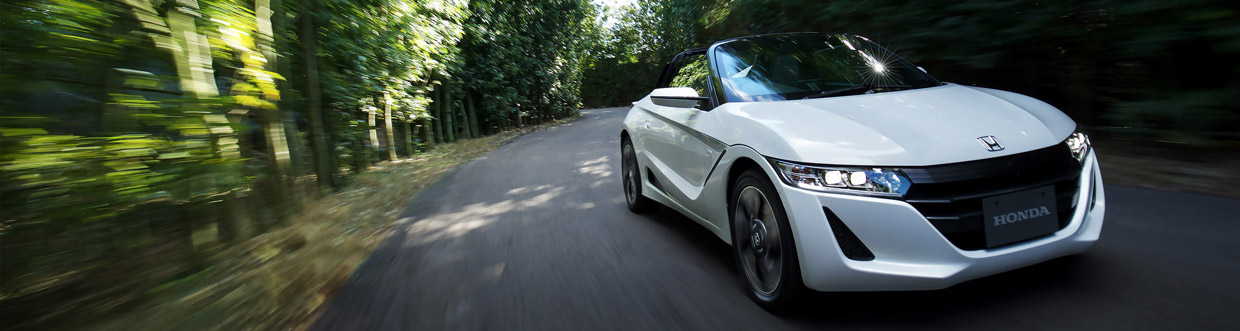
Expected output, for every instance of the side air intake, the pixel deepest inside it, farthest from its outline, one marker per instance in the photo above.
(654, 181)
(849, 243)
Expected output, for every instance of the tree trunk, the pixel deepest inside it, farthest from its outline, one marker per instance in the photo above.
(273, 120)
(193, 61)
(361, 159)
(318, 134)
(409, 138)
(448, 114)
(473, 115)
(297, 151)
(437, 103)
(374, 134)
(236, 223)
(387, 126)
(428, 139)
(462, 116)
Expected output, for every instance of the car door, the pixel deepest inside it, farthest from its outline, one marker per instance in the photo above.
(683, 156)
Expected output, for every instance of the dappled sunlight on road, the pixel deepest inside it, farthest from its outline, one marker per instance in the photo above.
(477, 215)
(521, 190)
(597, 167)
(601, 169)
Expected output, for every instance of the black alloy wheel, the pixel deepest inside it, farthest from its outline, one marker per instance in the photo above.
(763, 243)
(631, 178)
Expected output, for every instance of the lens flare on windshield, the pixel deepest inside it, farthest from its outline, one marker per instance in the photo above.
(878, 69)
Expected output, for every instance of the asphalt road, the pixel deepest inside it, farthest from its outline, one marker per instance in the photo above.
(535, 236)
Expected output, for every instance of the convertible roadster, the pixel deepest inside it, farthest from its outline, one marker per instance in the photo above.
(831, 164)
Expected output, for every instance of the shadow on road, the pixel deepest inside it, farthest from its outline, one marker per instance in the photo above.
(911, 308)
(979, 296)
(704, 242)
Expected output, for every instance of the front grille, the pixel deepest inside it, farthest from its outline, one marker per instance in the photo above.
(950, 196)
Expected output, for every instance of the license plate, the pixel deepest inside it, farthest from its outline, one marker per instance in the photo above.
(1020, 215)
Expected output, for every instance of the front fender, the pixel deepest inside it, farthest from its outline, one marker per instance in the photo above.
(714, 200)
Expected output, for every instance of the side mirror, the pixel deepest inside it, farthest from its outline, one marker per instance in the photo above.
(677, 97)
(923, 69)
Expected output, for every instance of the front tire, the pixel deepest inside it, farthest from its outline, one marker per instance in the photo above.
(631, 178)
(762, 243)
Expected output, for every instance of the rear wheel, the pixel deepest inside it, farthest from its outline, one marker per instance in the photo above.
(631, 177)
(763, 243)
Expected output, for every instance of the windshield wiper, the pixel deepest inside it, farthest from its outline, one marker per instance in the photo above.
(843, 91)
(895, 87)
(863, 88)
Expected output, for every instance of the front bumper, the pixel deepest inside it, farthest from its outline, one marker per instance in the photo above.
(909, 253)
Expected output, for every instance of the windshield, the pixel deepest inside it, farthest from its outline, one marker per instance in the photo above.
(789, 67)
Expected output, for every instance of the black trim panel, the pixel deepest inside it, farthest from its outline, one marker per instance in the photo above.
(950, 196)
(1057, 156)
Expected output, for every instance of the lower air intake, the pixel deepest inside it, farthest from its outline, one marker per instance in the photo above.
(849, 243)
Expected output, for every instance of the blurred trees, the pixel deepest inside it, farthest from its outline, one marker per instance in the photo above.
(523, 61)
(1143, 68)
(137, 136)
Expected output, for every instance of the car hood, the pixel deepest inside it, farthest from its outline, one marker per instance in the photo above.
(920, 127)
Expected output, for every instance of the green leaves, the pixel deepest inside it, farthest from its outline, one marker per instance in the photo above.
(525, 59)
(389, 45)
(123, 119)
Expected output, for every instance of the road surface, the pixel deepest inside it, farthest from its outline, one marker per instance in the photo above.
(535, 236)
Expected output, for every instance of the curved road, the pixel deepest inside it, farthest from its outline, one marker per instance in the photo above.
(535, 236)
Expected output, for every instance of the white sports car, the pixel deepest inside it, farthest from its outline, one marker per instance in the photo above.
(830, 163)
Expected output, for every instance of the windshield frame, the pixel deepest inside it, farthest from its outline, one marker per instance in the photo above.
(723, 94)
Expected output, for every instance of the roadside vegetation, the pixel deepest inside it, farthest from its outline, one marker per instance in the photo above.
(150, 147)
(285, 277)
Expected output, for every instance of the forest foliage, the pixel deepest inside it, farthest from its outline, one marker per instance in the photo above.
(139, 136)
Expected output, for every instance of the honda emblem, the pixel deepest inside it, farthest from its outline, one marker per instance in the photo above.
(990, 143)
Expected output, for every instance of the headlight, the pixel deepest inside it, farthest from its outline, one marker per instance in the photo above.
(873, 181)
(1078, 143)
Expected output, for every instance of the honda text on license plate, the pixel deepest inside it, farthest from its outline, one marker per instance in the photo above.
(1020, 215)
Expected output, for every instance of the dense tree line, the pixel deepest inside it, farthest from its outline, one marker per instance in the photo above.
(1133, 68)
(128, 127)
